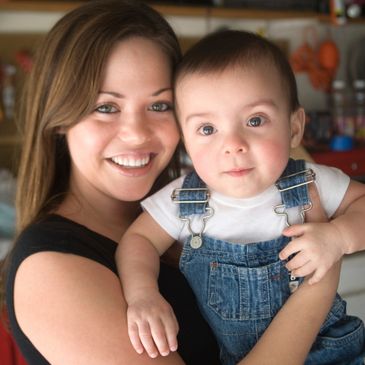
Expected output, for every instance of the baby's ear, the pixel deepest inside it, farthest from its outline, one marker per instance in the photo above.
(297, 122)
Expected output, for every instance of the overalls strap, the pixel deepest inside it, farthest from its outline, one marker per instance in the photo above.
(293, 184)
(193, 197)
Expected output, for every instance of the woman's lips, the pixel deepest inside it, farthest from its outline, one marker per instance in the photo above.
(131, 161)
(132, 165)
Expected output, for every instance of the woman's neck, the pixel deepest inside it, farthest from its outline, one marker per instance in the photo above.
(106, 216)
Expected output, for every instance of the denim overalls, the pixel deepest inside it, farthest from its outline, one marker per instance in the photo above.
(240, 287)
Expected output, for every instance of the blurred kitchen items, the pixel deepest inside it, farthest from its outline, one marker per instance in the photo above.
(359, 109)
(7, 209)
(341, 107)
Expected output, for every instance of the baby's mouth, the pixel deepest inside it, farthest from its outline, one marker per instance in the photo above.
(132, 162)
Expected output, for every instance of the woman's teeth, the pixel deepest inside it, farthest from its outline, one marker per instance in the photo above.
(131, 161)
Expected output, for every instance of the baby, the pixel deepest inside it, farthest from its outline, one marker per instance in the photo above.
(238, 110)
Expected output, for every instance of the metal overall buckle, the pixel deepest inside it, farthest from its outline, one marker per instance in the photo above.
(280, 209)
(196, 240)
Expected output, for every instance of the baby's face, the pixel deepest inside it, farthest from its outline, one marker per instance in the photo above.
(236, 127)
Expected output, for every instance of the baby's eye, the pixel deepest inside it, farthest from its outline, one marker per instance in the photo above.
(255, 121)
(106, 109)
(206, 130)
(160, 107)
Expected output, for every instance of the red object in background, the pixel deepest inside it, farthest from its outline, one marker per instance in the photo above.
(350, 162)
(9, 353)
(24, 59)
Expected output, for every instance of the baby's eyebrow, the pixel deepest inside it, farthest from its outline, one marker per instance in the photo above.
(268, 102)
(196, 115)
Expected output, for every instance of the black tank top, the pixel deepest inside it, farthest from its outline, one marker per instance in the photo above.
(56, 233)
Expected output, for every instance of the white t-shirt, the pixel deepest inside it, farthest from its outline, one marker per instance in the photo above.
(244, 220)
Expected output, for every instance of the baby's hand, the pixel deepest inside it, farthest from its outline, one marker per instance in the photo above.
(152, 325)
(317, 247)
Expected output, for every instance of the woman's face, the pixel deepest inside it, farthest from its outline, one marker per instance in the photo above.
(129, 138)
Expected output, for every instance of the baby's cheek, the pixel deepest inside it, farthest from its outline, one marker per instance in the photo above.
(275, 156)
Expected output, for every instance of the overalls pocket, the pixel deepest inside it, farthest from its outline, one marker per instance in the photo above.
(338, 311)
(342, 343)
(244, 293)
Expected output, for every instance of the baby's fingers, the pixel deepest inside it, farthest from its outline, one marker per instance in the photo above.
(317, 276)
(304, 270)
(297, 262)
(294, 230)
(172, 328)
(134, 337)
(290, 249)
(164, 333)
(159, 337)
(145, 336)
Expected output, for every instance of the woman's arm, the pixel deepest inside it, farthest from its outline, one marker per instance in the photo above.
(73, 310)
(289, 337)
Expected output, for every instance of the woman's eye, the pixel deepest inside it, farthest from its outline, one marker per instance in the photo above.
(255, 121)
(206, 130)
(106, 108)
(160, 107)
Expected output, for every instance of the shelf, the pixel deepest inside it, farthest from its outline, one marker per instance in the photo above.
(172, 10)
(176, 10)
(40, 5)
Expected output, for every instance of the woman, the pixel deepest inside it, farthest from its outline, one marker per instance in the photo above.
(99, 135)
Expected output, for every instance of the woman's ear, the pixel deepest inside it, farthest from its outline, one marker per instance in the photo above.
(61, 130)
(297, 123)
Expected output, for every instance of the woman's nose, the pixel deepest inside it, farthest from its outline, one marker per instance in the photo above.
(134, 129)
(235, 143)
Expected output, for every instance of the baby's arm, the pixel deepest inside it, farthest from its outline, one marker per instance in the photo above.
(151, 321)
(319, 245)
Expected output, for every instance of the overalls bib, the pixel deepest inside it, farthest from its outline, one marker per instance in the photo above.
(241, 287)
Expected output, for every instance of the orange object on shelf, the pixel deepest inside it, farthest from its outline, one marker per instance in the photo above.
(320, 64)
(328, 55)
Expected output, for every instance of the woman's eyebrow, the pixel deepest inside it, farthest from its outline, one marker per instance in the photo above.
(160, 91)
(121, 96)
(112, 93)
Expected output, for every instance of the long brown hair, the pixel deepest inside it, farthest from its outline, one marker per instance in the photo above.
(63, 87)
